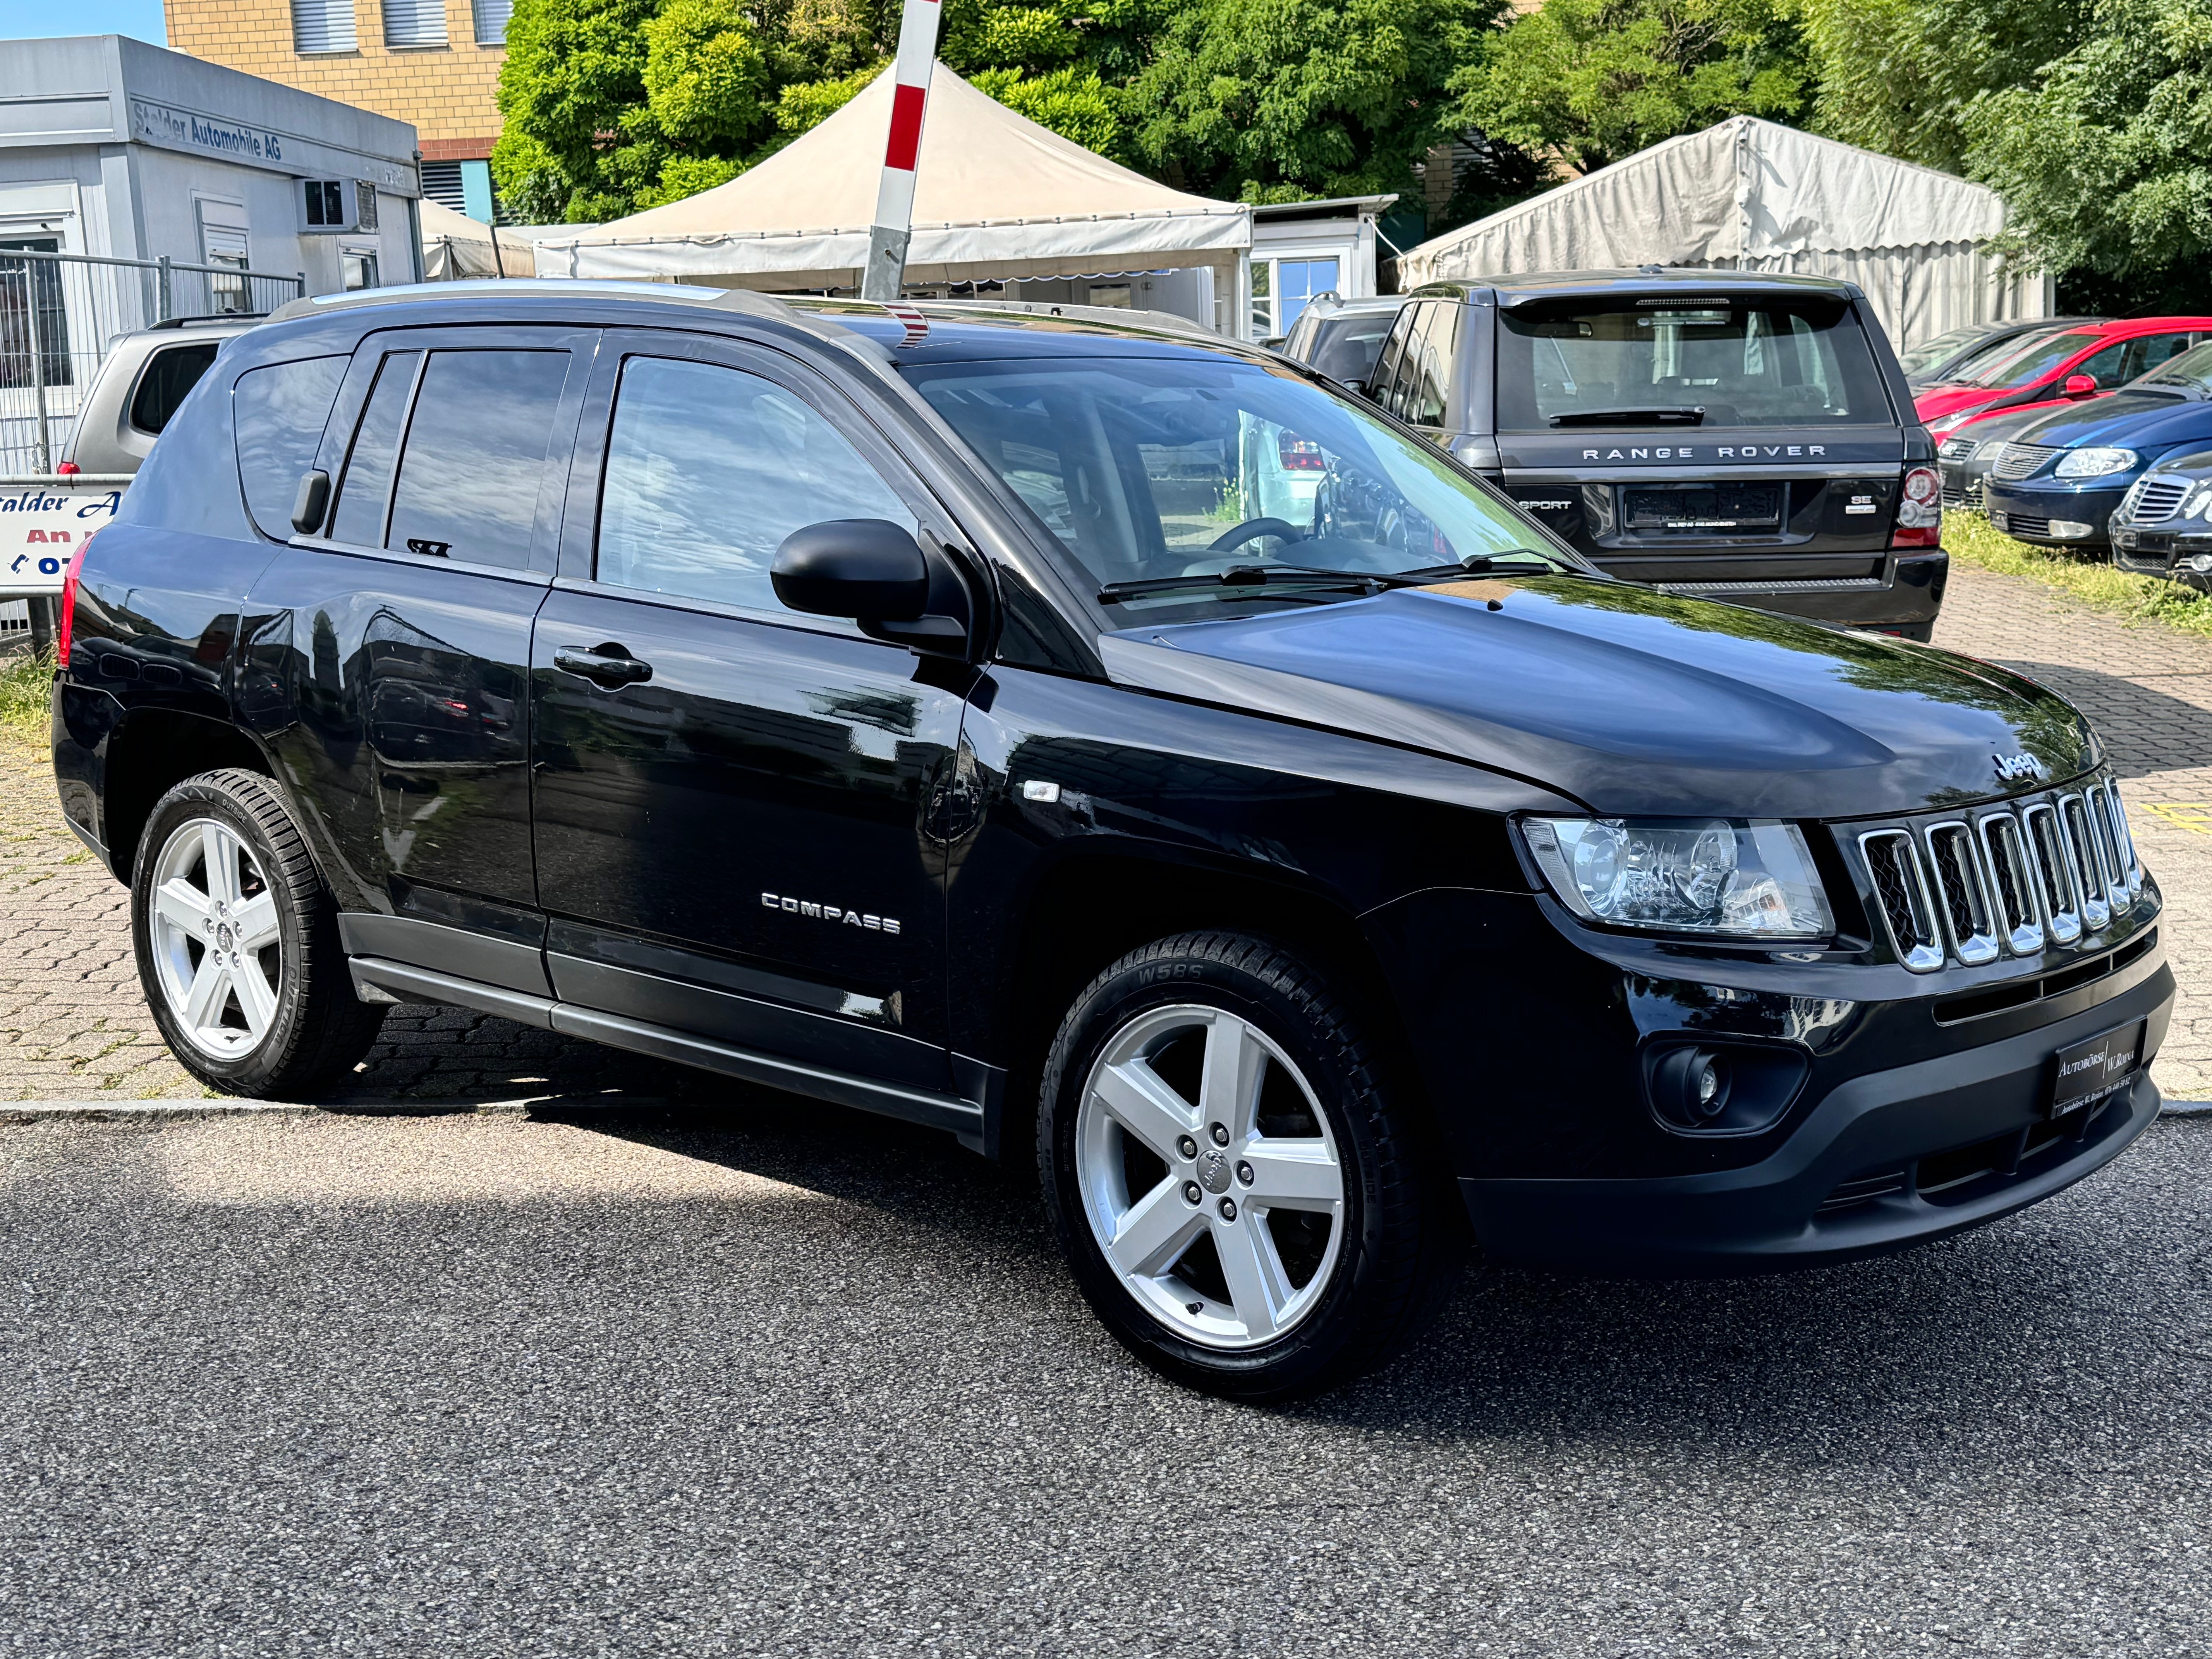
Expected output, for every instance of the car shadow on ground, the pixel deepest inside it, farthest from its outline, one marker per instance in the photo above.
(2147, 729)
(2047, 1314)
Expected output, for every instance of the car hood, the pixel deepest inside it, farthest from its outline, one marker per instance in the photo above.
(1628, 700)
(2129, 420)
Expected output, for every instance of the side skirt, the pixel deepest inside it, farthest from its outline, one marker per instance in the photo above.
(376, 980)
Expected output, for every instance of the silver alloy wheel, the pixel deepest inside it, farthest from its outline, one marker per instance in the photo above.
(1227, 1182)
(217, 948)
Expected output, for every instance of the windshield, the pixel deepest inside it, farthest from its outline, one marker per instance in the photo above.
(1929, 353)
(2191, 372)
(1709, 361)
(2027, 361)
(1150, 469)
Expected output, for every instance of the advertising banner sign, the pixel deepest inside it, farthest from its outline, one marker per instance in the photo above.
(42, 522)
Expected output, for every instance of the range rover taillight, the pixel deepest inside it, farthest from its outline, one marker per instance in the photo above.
(66, 623)
(1299, 454)
(1920, 510)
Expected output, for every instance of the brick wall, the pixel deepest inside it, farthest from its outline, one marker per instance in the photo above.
(446, 91)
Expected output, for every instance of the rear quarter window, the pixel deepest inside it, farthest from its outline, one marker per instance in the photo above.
(279, 411)
(169, 375)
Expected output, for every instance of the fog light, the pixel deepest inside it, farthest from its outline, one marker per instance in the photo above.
(1710, 1083)
(1729, 1087)
(2200, 562)
(2067, 530)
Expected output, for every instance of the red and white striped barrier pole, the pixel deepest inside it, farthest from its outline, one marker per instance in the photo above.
(885, 273)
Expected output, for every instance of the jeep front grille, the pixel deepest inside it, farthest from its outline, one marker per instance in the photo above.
(2010, 880)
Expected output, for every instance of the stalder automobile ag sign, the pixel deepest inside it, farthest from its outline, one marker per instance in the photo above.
(42, 523)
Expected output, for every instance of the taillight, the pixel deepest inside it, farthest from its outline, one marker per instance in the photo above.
(1920, 510)
(66, 624)
(68, 470)
(1299, 454)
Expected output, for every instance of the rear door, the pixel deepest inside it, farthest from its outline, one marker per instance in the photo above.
(733, 834)
(1701, 439)
(396, 642)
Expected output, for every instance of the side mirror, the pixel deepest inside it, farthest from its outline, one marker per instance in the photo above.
(874, 571)
(311, 501)
(2081, 386)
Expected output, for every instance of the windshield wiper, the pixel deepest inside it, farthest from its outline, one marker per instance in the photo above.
(1367, 582)
(1693, 415)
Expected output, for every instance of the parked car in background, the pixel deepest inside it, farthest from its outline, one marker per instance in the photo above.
(1342, 338)
(1726, 435)
(2069, 365)
(1952, 352)
(139, 384)
(2061, 477)
(1968, 453)
(2163, 525)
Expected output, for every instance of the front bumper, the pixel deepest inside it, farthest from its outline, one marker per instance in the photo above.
(2031, 511)
(2173, 554)
(1849, 1181)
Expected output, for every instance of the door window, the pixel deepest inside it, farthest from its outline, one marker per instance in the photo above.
(475, 457)
(708, 468)
(280, 412)
(366, 489)
(1431, 354)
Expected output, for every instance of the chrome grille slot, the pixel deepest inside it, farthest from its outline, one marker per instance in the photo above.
(1961, 895)
(2082, 846)
(1895, 863)
(2123, 840)
(2057, 881)
(2109, 860)
(2016, 461)
(2012, 891)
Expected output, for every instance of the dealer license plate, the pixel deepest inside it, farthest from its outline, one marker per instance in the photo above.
(2088, 1070)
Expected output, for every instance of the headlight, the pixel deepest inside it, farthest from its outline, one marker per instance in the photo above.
(1987, 449)
(1731, 877)
(2094, 463)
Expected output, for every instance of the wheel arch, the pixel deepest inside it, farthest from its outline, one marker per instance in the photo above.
(150, 751)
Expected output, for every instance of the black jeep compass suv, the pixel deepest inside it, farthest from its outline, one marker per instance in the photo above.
(1096, 738)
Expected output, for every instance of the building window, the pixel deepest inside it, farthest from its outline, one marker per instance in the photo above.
(1281, 288)
(414, 23)
(356, 269)
(323, 26)
(491, 17)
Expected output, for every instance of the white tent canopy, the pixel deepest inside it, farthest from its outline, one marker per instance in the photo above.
(997, 198)
(455, 245)
(1748, 195)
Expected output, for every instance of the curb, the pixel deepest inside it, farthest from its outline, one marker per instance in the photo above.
(2186, 1108)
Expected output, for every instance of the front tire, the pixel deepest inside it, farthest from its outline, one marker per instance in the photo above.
(1235, 1185)
(237, 942)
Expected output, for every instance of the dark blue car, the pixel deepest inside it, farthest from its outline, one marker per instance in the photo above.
(2061, 477)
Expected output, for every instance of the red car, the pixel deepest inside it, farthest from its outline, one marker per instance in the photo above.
(2064, 364)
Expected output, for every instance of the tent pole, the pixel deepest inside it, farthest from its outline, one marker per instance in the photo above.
(884, 277)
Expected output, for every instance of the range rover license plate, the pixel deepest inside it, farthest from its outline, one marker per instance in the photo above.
(2089, 1070)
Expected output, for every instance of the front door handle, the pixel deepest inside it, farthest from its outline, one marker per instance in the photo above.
(608, 665)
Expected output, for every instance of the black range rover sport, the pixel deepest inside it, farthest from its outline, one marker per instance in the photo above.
(1097, 741)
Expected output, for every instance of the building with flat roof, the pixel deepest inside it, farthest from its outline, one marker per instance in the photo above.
(433, 64)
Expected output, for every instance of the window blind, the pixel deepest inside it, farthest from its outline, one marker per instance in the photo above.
(491, 17)
(323, 26)
(414, 23)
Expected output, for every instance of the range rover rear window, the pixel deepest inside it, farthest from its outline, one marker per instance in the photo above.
(1669, 364)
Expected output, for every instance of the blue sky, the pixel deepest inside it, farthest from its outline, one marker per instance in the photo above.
(26, 19)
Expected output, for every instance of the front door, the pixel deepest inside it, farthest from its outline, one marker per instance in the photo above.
(730, 798)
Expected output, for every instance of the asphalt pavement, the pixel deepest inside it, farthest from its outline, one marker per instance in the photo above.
(775, 1378)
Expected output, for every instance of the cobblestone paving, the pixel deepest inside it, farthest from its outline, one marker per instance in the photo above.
(74, 1026)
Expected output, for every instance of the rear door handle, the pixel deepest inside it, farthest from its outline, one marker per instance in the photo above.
(608, 665)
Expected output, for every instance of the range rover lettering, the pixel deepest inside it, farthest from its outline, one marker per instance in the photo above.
(1112, 749)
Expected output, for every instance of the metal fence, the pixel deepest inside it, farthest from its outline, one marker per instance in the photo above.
(59, 313)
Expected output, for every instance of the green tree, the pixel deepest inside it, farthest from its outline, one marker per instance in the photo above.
(2106, 159)
(1588, 82)
(573, 68)
(1285, 100)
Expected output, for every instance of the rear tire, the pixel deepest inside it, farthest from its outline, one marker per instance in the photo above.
(1319, 1242)
(237, 942)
